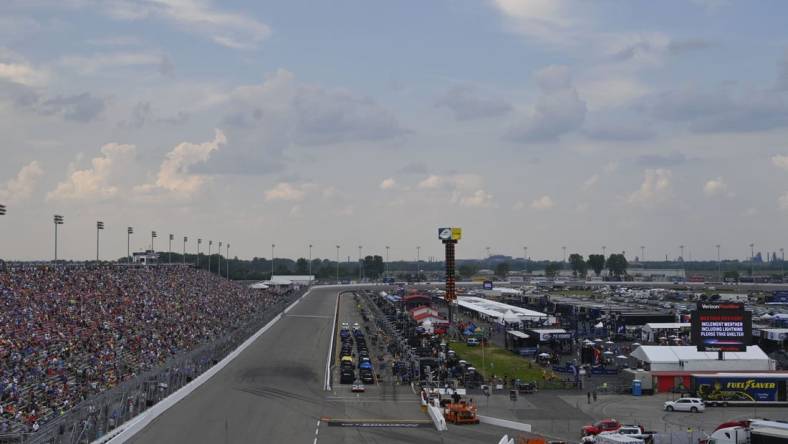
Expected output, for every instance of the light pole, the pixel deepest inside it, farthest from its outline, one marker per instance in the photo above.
(360, 265)
(719, 264)
(564, 249)
(782, 264)
(210, 242)
(227, 261)
(642, 253)
(219, 260)
(185, 239)
(199, 241)
(418, 262)
(681, 247)
(337, 264)
(387, 261)
(129, 232)
(99, 227)
(153, 236)
(752, 259)
(169, 249)
(58, 219)
(2, 210)
(604, 248)
(272, 260)
(310, 259)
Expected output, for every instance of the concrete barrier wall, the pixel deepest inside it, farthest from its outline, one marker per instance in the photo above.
(436, 414)
(130, 428)
(505, 423)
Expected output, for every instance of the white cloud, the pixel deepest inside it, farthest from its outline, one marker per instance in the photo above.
(454, 181)
(174, 173)
(22, 74)
(611, 167)
(467, 102)
(100, 62)
(783, 201)
(780, 161)
(714, 187)
(95, 183)
(656, 188)
(543, 203)
(282, 112)
(590, 182)
(610, 91)
(478, 199)
(23, 185)
(286, 192)
(546, 20)
(558, 110)
(232, 30)
(388, 184)
(519, 205)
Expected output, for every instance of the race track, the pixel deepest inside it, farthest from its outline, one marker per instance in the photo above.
(273, 393)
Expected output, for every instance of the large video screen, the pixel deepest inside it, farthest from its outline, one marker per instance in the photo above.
(724, 327)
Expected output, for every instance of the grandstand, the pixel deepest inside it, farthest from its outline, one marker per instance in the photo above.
(68, 333)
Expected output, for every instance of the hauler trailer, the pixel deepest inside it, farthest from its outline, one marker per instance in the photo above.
(724, 389)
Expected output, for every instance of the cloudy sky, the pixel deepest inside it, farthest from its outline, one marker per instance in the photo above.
(544, 123)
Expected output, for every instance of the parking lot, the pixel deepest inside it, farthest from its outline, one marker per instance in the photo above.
(561, 414)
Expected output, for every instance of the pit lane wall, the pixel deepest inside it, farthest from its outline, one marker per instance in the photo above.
(130, 428)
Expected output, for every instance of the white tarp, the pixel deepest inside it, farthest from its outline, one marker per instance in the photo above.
(498, 310)
(518, 334)
(688, 358)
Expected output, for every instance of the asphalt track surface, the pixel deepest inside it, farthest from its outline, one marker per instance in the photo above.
(273, 393)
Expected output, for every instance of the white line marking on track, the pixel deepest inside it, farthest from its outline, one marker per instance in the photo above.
(308, 316)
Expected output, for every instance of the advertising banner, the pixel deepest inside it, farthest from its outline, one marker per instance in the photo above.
(714, 388)
(779, 297)
(724, 327)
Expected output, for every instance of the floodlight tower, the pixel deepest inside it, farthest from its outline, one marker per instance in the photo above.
(58, 219)
(99, 227)
(450, 237)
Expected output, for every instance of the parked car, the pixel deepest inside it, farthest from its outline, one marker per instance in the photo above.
(472, 342)
(358, 387)
(693, 405)
(605, 425)
(347, 376)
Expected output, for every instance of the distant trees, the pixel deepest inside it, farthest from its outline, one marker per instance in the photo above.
(373, 266)
(617, 264)
(579, 266)
(302, 266)
(502, 269)
(596, 262)
(552, 269)
(467, 270)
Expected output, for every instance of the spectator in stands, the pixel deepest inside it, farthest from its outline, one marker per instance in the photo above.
(67, 333)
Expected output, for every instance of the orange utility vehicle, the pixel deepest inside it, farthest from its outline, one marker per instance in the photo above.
(460, 413)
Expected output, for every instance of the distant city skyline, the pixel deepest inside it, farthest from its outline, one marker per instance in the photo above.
(544, 123)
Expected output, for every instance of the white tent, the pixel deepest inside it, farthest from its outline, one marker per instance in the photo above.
(688, 358)
(510, 317)
(259, 286)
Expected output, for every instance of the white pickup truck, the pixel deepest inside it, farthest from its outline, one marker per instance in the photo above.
(623, 435)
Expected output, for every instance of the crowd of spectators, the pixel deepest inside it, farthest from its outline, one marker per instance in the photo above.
(69, 332)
